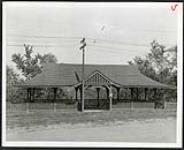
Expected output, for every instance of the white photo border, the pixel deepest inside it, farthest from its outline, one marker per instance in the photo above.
(178, 143)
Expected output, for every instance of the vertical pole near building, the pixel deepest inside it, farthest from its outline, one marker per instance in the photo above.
(76, 94)
(131, 89)
(110, 98)
(137, 94)
(27, 101)
(83, 58)
(145, 94)
(30, 95)
(131, 102)
(155, 98)
(83, 55)
(98, 97)
(118, 93)
(55, 93)
(54, 100)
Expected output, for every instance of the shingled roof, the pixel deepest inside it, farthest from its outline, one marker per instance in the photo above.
(65, 75)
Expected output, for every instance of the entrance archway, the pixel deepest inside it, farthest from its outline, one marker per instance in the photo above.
(96, 81)
(97, 97)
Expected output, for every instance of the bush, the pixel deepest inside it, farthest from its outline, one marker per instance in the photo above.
(13, 94)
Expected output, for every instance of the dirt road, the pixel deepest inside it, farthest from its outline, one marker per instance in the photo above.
(150, 130)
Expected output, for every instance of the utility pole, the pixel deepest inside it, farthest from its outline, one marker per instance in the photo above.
(83, 58)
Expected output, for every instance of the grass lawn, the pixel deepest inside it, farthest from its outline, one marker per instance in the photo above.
(46, 118)
(118, 125)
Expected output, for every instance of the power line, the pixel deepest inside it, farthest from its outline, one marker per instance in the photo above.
(35, 45)
(45, 37)
(102, 48)
(105, 48)
(94, 40)
(117, 42)
(111, 49)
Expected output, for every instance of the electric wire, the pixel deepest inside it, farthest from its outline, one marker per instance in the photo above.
(110, 49)
(116, 42)
(39, 45)
(44, 37)
(93, 40)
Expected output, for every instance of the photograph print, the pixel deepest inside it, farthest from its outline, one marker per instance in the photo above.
(92, 74)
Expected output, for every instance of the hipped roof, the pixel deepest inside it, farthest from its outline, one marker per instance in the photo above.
(65, 75)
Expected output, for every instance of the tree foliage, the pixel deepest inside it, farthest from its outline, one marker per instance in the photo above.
(13, 93)
(159, 64)
(30, 65)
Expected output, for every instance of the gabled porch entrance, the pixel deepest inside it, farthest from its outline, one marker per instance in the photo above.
(96, 82)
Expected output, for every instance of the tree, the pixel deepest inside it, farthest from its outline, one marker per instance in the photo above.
(160, 64)
(31, 66)
(13, 93)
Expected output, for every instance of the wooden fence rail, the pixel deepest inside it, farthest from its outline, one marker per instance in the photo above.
(28, 107)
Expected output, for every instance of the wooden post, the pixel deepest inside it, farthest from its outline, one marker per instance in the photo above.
(30, 95)
(98, 95)
(76, 94)
(107, 92)
(54, 100)
(137, 92)
(83, 97)
(33, 94)
(131, 102)
(118, 94)
(155, 93)
(83, 82)
(145, 92)
(47, 94)
(109, 101)
(163, 98)
(110, 98)
(27, 100)
(55, 93)
(80, 100)
(131, 91)
(76, 97)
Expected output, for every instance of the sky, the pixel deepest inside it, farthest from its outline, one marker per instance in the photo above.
(115, 32)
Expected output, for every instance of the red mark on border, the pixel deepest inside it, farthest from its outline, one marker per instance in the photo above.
(173, 7)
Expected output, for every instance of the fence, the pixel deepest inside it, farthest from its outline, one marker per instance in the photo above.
(132, 105)
(28, 107)
(170, 105)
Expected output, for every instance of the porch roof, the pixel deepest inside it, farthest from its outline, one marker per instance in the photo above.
(66, 75)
